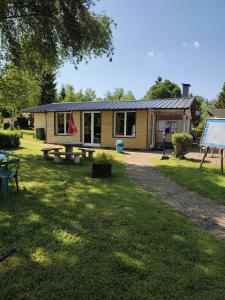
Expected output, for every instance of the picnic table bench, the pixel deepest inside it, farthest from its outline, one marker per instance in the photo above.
(74, 155)
(47, 150)
(89, 151)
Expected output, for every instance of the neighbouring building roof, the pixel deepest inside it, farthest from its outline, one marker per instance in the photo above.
(173, 103)
(220, 113)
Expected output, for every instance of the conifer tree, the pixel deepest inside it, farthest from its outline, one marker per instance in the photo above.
(48, 89)
(220, 103)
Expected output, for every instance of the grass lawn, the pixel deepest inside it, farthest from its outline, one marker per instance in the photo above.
(83, 238)
(207, 181)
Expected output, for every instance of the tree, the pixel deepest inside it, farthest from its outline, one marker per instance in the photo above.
(201, 109)
(119, 94)
(163, 89)
(48, 88)
(220, 103)
(62, 94)
(18, 89)
(38, 33)
(89, 95)
(72, 96)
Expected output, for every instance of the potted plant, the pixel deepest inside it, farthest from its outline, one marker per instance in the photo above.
(102, 166)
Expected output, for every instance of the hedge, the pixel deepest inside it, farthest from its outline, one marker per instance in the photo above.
(181, 142)
(9, 139)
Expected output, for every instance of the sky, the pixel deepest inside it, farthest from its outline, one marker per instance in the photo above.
(179, 40)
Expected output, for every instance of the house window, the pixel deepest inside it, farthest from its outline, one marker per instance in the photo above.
(168, 126)
(124, 124)
(62, 123)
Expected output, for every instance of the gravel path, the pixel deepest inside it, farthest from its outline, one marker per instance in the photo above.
(203, 210)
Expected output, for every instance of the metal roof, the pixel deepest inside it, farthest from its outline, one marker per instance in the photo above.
(217, 112)
(173, 103)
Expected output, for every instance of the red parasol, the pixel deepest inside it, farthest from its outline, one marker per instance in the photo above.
(72, 128)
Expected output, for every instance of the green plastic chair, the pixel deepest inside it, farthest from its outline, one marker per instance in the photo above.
(6, 153)
(9, 170)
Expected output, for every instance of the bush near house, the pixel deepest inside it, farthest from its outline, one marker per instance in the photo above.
(22, 122)
(197, 134)
(181, 142)
(9, 139)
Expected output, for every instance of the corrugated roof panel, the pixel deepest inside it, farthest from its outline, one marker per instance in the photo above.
(174, 103)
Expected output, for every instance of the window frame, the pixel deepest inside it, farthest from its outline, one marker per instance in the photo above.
(125, 124)
(56, 123)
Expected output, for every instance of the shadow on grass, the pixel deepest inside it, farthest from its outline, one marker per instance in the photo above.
(82, 238)
(197, 160)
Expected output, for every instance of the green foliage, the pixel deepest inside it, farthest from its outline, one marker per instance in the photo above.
(9, 139)
(72, 96)
(70, 93)
(22, 122)
(201, 107)
(119, 94)
(4, 112)
(163, 89)
(196, 133)
(6, 125)
(18, 89)
(62, 94)
(37, 34)
(48, 88)
(104, 157)
(181, 142)
(220, 103)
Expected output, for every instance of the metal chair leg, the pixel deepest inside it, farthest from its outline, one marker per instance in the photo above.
(17, 184)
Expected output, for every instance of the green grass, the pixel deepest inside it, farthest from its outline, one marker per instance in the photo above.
(83, 238)
(207, 181)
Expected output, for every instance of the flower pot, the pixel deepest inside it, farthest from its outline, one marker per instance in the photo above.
(101, 170)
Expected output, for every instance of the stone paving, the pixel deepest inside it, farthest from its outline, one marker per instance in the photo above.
(202, 210)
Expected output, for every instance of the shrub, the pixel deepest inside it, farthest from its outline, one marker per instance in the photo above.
(196, 133)
(9, 139)
(181, 142)
(6, 125)
(22, 122)
(104, 157)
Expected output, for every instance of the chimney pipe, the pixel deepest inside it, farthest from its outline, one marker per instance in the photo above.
(185, 90)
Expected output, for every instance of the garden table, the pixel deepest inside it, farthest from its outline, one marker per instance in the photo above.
(69, 147)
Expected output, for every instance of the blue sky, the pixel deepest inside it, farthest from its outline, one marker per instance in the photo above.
(180, 40)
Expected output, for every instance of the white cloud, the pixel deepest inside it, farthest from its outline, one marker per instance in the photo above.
(153, 53)
(196, 44)
(184, 45)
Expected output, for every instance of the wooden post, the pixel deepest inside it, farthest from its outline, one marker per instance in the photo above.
(205, 154)
(211, 153)
(221, 160)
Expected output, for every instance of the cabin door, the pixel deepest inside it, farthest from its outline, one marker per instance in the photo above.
(92, 128)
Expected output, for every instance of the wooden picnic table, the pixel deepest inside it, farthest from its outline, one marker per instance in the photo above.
(89, 151)
(46, 151)
(69, 147)
(75, 155)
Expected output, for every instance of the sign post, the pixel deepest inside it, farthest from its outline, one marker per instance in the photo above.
(213, 137)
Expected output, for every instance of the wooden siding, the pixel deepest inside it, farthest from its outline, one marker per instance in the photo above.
(137, 142)
(39, 120)
(51, 135)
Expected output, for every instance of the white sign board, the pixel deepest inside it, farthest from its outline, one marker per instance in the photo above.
(214, 133)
